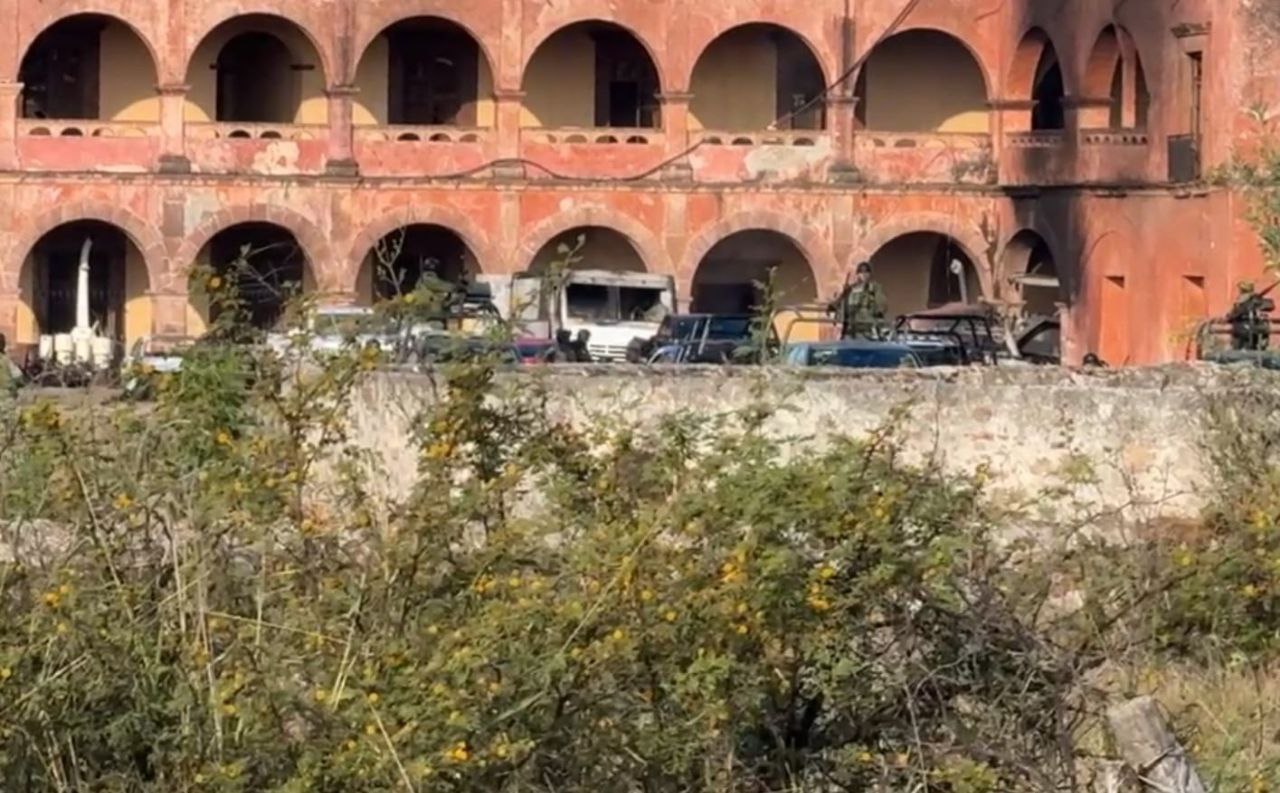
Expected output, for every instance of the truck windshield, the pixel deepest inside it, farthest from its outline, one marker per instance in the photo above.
(599, 303)
(589, 302)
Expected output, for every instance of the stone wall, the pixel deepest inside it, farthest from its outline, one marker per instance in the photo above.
(1139, 430)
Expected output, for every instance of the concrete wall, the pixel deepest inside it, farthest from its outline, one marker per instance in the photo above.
(1139, 428)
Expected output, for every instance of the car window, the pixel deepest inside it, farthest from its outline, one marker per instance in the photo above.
(1045, 342)
(588, 302)
(638, 304)
(862, 358)
(729, 328)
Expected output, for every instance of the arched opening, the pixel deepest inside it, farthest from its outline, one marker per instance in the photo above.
(257, 69)
(424, 71)
(1115, 79)
(1029, 261)
(591, 74)
(922, 81)
(119, 288)
(1037, 75)
(730, 277)
(733, 276)
(592, 248)
(89, 66)
(400, 259)
(754, 75)
(264, 263)
(925, 270)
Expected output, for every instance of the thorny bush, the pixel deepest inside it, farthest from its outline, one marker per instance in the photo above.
(208, 592)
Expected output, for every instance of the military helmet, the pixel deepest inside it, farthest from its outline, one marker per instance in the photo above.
(1245, 287)
(863, 268)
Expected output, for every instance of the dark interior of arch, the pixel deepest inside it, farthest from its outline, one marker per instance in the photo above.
(266, 263)
(433, 73)
(732, 277)
(61, 73)
(403, 257)
(56, 259)
(1048, 93)
(255, 80)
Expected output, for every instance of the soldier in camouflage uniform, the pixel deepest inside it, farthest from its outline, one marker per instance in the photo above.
(861, 306)
(1250, 319)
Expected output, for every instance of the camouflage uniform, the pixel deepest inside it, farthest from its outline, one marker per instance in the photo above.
(863, 309)
(1250, 320)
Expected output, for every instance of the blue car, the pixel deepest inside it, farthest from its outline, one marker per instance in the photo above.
(866, 354)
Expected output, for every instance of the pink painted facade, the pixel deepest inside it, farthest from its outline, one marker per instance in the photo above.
(1099, 179)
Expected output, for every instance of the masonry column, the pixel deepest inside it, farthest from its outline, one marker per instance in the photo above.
(10, 95)
(1008, 116)
(173, 129)
(508, 107)
(842, 124)
(675, 128)
(341, 156)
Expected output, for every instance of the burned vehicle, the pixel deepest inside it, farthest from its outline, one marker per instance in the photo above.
(699, 338)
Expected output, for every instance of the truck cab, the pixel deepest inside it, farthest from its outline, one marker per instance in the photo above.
(614, 307)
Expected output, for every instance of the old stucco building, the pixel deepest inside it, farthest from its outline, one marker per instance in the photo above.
(1061, 140)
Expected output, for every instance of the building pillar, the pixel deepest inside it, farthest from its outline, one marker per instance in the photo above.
(341, 158)
(169, 311)
(508, 108)
(1008, 116)
(10, 96)
(842, 122)
(675, 129)
(173, 128)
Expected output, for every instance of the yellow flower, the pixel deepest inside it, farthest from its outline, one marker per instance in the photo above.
(63, 628)
(819, 604)
(5, 673)
(228, 709)
(1250, 591)
(742, 630)
(827, 572)
(646, 595)
(370, 729)
(373, 698)
(618, 635)
(52, 599)
(215, 283)
(669, 615)
(864, 757)
(122, 501)
(459, 753)
(320, 695)
(411, 298)
(222, 438)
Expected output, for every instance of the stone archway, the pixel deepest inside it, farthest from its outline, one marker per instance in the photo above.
(120, 285)
(572, 79)
(536, 237)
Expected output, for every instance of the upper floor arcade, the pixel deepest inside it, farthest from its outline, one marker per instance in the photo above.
(891, 92)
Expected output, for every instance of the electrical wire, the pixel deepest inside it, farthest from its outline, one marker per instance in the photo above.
(844, 77)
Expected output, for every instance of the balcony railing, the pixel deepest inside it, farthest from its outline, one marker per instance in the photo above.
(791, 137)
(971, 141)
(594, 136)
(1114, 137)
(227, 130)
(84, 128)
(404, 133)
(1036, 139)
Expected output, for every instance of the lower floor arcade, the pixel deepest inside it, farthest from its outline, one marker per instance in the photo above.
(1072, 256)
